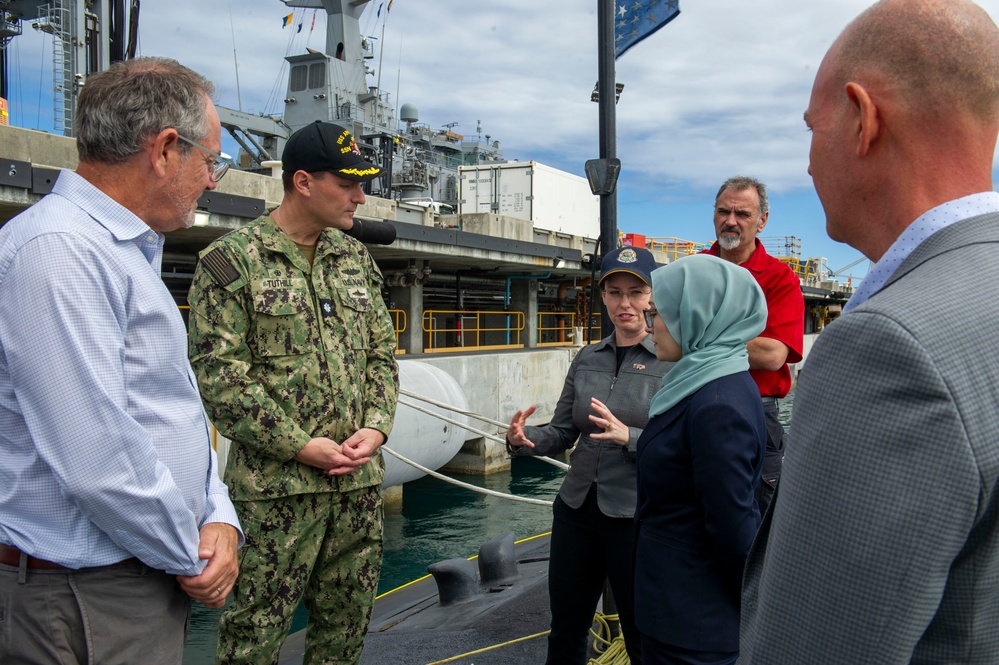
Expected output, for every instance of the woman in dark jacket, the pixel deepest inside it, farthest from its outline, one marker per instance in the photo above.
(698, 463)
(593, 514)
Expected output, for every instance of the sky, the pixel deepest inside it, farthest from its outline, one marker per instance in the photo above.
(719, 91)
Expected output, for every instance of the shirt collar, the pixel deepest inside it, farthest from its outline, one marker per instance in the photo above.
(120, 222)
(915, 234)
(609, 342)
(274, 239)
(756, 263)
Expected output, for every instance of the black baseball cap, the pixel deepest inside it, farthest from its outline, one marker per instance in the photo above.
(636, 261)
(323, 146)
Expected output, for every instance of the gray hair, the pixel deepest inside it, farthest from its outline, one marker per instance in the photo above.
(740, 183)
(121, 107)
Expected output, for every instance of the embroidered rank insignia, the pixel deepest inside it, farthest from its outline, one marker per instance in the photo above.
(221, 269)
(326, 305)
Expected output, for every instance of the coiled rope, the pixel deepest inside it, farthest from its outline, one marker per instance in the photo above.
(611, 649)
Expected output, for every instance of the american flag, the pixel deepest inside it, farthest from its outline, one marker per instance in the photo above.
(634, 20)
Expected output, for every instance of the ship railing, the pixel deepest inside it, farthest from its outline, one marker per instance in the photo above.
(447, 330)
(452, 160)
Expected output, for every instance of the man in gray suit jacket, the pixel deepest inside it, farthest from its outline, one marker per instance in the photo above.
(882, 545)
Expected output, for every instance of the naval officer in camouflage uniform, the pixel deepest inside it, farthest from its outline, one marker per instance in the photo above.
(293, 348)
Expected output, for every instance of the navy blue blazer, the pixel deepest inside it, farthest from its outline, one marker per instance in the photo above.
(698, 465)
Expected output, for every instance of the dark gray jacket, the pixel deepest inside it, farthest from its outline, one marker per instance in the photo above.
(627, 393)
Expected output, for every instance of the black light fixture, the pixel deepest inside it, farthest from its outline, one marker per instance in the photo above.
(602, 175)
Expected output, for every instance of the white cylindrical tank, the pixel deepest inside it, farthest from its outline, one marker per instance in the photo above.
(421, 437)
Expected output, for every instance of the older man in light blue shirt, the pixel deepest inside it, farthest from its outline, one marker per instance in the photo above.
(112, 514)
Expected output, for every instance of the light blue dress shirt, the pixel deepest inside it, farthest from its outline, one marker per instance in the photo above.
(925, 225)
(103, 439)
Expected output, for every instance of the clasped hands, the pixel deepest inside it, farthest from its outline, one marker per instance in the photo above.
(338, 459)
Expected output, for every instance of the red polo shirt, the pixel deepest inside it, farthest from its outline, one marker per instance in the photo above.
(785, 315)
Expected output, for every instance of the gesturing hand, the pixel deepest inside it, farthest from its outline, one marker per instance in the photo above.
(515, 433)
(613, 429)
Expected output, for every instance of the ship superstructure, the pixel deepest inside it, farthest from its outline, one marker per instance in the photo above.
(420, 164)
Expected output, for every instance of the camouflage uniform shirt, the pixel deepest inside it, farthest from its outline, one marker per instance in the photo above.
(285, 352)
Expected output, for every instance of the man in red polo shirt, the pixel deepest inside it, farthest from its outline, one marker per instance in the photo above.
(741, 211)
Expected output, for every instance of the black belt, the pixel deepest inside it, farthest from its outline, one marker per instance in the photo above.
(11, 556)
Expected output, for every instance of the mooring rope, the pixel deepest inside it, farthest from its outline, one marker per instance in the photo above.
(474, 430)
(475, 488)
(450, 407)
(491, 437)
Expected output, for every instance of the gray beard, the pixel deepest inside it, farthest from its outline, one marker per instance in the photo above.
(728, 243)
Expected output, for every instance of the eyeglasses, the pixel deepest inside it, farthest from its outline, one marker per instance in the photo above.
(633, 294)
(221, 165)
(650, 316)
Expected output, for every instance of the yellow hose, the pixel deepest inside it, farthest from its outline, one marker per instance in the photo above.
(611, 650)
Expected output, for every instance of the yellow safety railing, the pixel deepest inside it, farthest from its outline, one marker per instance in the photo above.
(788, 250)
(398, 320)
(806, 270)
(675, 248)
(561, 326)
(458, 330)
(399, 324)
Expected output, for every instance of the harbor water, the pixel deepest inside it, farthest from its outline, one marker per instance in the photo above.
(438, 521)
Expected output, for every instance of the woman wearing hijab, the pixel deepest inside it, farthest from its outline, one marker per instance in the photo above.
(593, 515)
(699, 462)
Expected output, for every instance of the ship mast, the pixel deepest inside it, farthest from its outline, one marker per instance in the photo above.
(88, 35)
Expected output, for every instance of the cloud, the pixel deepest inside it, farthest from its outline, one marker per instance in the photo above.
(718, 91)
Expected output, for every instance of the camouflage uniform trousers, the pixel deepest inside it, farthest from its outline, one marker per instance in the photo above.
(324, 548)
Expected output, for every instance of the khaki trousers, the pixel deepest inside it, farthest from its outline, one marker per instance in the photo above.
(120, 614)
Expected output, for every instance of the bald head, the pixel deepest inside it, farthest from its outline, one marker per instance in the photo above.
(904, 116)
(938, 55)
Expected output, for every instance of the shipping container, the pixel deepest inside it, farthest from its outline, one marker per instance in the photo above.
(552, 200)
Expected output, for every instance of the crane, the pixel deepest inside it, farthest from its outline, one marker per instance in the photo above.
(838, 273)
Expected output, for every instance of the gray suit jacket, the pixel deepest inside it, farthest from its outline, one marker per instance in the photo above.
(883, 544)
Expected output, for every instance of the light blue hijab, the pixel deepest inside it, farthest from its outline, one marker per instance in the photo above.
(711, 308)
